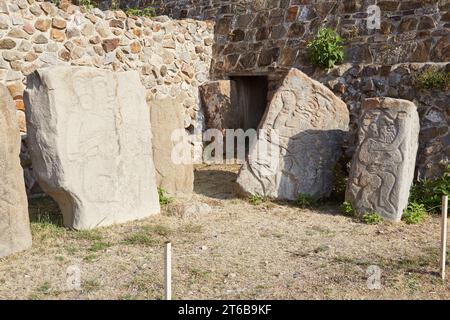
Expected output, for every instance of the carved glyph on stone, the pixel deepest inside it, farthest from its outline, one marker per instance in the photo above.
(302, 131)
(169, 136)
(15, 234)
(89, 137)
(383, 166)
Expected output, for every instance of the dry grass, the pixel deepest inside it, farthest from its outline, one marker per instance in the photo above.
(240, 251)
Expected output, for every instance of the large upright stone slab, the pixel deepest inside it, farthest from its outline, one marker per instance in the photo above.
(15, 234)
(89, 138)
(170, 137)
(382, 169)
(302, 129)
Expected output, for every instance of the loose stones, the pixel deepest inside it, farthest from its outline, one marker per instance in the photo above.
(89, 137)
(15, 234)
(171, 148)
(298, 143)
(383, 166)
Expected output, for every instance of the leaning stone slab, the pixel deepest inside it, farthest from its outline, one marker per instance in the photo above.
(171, 147)
(15, 234)
(89, 138)
(382, 168)
(299, 142)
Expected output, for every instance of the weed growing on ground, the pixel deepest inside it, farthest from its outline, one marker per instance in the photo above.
(415, 213)
(372, 218)
(163, 198)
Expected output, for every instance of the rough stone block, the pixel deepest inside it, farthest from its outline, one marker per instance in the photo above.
(89, 138)
(167, 119)
(15, 234)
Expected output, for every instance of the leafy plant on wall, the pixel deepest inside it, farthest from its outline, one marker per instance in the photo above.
(326, 49)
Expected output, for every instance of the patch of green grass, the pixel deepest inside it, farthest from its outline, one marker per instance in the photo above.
(256, 199)
(44, 288)
(91, 285)
(430, 192)
(99, 246)
(146, 12)
(72, 249)
(159, 229)
(91, 235)
(90, 257)
(432, 78)
(415, 213)
(197, 273)
(305, 201)
(46, 219)
(347, 209)
(372, 218)
(86, 4)
(191, 228)
(163, 198)
(321, 248)
(140, 238)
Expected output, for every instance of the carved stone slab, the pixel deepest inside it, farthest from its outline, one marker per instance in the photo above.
(302, 131)
(15, 234)
(89, 136)
(170, 140)
(382, 169)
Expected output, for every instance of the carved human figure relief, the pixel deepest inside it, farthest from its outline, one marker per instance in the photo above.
(309, 123)
(383, 164)
(90, 143)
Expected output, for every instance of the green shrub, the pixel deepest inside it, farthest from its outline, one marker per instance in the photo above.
(347, 209)
(86, 3)
(326, 49)
(163, 198)
(432, 78)
(146, 12)
(305, 201)
(256, 199)
(430, 192)
(414, 213)
(372, 218)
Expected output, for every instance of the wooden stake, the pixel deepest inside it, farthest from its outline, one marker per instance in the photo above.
(444, 235)
(168, 272)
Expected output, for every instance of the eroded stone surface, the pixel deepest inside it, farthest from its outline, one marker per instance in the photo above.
(167, 120)
(89, 138)
(216, 100)
(15, 234)
(310, 123)
(383, 166)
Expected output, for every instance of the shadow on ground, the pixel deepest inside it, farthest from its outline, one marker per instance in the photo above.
(45, 210)
(217, 184)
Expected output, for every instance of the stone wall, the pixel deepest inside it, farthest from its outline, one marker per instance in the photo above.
(356, 82)
(259, 35)
(172, 56)
(269, 37)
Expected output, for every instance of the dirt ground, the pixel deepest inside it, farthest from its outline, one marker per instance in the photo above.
(238, 251)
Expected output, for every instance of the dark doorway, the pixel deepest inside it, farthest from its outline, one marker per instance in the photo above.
(248, 100)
